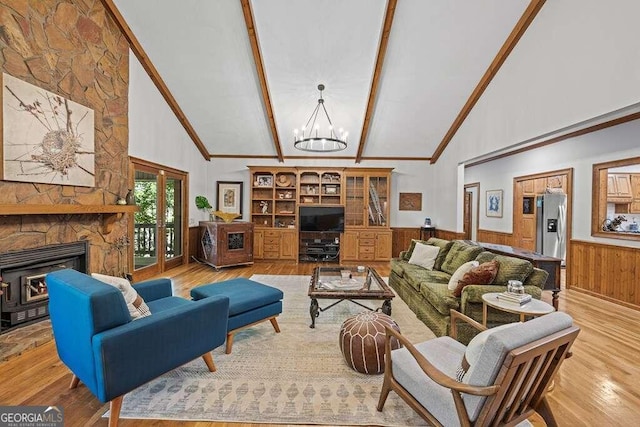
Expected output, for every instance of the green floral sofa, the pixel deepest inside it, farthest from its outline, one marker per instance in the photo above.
(426, 292)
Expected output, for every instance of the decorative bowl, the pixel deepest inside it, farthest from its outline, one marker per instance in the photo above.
(226, 216)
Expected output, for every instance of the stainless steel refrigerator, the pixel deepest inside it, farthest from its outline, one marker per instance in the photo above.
(551, 227)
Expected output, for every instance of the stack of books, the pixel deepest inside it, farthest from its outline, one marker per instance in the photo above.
(514, 298)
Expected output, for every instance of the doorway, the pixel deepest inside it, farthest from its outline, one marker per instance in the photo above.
(471, 209)
(159, 226)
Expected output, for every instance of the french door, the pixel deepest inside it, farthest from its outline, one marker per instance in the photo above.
(159, 226)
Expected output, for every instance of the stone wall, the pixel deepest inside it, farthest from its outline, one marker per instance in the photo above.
(71, 48)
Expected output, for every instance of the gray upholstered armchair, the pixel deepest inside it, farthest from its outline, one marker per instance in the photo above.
(505, 382)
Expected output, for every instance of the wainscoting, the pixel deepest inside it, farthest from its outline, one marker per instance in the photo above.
(497, 237)
(194, 241)
(402, 237)
(606, 271)
(449, 235)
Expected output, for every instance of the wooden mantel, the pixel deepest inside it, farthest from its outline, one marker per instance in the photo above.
(112, 212)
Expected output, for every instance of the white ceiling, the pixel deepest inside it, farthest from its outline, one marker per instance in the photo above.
(437, 53)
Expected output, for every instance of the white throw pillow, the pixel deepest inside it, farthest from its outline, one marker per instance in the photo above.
(460, 272)
(424, 255)
(136, 305)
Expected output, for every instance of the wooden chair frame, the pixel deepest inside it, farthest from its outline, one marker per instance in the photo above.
(517, 392)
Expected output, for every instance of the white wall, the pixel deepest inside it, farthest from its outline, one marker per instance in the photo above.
(578, 60)
(156, 135)
(580, 153)
(407, 177)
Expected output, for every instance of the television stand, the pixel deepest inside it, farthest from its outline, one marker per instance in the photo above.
(319, 247)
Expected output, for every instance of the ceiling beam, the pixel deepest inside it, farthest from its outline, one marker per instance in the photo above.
(373, 91)
(148, 66)
(525, 20)
(257, 57)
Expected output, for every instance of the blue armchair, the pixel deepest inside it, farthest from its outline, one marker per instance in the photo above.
(111, 354)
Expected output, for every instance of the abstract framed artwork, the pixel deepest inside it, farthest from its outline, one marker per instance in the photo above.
(47, 138)
(410, 202)
(494, 203)
(229, 197)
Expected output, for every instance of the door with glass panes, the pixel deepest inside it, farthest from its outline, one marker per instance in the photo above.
(159, 224)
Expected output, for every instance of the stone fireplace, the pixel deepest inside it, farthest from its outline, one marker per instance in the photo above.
(25, 297)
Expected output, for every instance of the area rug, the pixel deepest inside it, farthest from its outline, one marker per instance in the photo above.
(295, 377)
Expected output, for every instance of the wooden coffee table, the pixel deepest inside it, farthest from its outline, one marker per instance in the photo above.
(347, 284)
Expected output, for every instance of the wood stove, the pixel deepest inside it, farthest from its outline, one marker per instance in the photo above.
(25, 297)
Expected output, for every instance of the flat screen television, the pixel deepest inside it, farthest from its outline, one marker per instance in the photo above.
(322, 218)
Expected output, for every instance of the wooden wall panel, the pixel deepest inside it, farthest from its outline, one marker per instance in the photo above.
(194, 240)
(402, 238)
(497, 237)
(608, 271)
(449, 235)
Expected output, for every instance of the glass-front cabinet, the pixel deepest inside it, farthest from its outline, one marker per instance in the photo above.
(367, 198)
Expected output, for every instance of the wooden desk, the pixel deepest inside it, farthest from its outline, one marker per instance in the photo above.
(549, 264)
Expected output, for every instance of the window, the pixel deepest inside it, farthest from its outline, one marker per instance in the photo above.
(616, 199)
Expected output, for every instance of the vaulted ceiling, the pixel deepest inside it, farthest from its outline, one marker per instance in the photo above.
(400, 75)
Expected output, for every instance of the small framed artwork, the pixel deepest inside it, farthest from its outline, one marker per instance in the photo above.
(264, 181)
(494, 203)
(410, 202)
(229, 197)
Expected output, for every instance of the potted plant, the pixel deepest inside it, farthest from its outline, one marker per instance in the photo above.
(203, 203)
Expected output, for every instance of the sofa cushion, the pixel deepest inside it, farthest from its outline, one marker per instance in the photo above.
(459, 253)
(415, 275)
(445, 246)
(538, 277)
(439, 296)
(424, 255)
(483, 274)
(511, 268)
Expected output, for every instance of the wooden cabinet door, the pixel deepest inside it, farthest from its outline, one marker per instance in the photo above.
(612, 189)
(349, 246)
(288, 246)
(383, 246)
(624, 185)
(258, 244)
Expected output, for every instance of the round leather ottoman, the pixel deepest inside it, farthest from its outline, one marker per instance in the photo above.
(362, 341)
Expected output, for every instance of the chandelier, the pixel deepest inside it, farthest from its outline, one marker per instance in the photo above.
(310, 138)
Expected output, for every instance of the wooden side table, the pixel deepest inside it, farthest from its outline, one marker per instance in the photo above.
(427, 232)
(533, 308)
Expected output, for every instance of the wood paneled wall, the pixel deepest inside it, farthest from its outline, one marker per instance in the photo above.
(449, 235)
(194, 241)
(497, 237)
(607, 271)
(402, 237)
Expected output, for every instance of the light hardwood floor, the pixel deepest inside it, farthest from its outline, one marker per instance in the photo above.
(598, 386)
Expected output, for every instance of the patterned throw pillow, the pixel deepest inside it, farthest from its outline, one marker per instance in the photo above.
(136, 305)
(484, 274)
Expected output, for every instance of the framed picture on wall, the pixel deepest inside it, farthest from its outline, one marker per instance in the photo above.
(410, 202)
(494, 203)
(229, 197)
